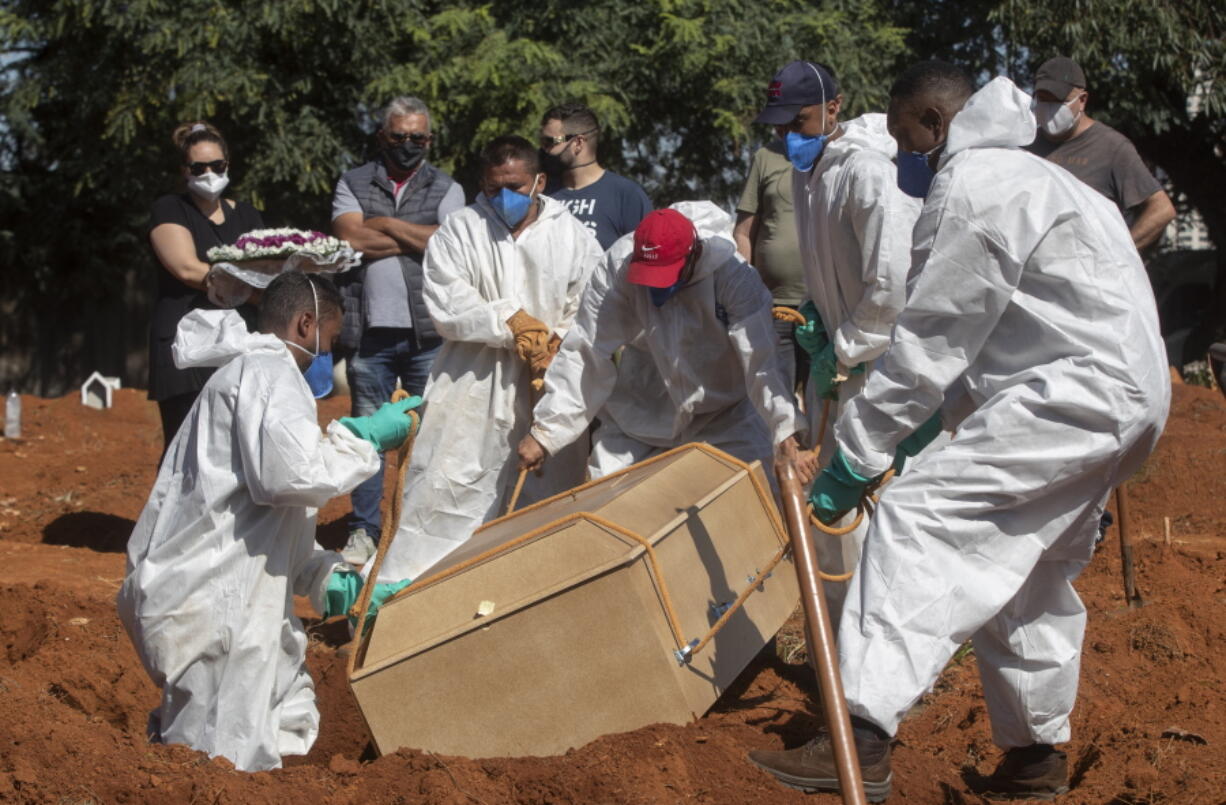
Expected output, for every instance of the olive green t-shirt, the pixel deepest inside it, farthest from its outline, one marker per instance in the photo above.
(768, 195)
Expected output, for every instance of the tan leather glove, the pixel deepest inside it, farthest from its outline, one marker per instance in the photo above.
(539, 361)
(531, 334)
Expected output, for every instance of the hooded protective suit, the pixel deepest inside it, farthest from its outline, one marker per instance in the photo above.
(479, 397)
(698, 368)
(1028, 304)
(854, 227)
(227, 540)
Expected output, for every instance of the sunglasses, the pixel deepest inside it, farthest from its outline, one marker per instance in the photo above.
(399, 137)
(217, 166)
(548, 142)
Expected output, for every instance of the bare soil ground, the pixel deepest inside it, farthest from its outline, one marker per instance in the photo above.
(1150, 726)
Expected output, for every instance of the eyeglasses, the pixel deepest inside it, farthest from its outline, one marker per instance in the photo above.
(549, 142)
(399, 137)
(217, 166)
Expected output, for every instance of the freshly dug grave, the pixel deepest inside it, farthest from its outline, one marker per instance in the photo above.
(1150, 725)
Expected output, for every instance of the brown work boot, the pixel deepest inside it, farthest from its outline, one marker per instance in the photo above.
(1038, 771)
(811, 767)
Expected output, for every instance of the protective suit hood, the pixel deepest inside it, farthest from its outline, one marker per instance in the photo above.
(216, 337)
(997, 116)
(864, 133)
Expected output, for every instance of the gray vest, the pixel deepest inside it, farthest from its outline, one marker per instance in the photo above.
(418, 205)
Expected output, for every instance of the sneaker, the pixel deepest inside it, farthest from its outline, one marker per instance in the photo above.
(811, 767)
(1038, 771)
(359, 548)
(1104, 522)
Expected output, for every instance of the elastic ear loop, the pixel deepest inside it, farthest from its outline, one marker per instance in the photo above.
(315, 298)
(822, 84)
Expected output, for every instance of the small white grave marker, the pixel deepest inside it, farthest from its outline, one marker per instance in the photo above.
(96, 391)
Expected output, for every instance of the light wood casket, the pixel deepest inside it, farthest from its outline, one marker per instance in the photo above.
(577, 639)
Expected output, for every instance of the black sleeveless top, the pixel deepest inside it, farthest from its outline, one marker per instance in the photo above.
(175, 299)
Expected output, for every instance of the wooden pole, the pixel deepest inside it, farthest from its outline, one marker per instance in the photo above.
(1131, 597)
(821, 638)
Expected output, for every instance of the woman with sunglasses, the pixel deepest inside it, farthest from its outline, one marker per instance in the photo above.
(182, 228)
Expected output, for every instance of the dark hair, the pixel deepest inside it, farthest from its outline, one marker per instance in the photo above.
(945, 83)
(290, 294)
(576, 119)
(502, 150)
(186, 135)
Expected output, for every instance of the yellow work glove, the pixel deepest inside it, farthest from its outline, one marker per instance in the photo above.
(531, 335)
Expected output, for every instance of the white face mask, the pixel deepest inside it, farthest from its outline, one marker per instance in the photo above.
(208, 185)
(1055, 118)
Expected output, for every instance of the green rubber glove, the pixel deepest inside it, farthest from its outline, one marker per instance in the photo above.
(825, 370)
(344, 586)
(383, 592)
(917, 441)
(386, 428)
(811, 336)
(837, 490)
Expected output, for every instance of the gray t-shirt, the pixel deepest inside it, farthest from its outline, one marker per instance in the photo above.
(385, 297)
(1105, 160)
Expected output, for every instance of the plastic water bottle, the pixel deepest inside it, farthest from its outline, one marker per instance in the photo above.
(12, 416)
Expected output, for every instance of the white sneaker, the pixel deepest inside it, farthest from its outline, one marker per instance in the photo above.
(359, 548)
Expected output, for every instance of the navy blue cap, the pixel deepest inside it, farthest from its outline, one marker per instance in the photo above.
(799, 84)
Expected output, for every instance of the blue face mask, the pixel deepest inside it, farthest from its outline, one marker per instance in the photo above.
(914, 173)
(661, 295)
(803, 151)
(319, 374)
(512, 206)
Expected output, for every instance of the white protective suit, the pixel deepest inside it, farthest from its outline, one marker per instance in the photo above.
(478, 402)
(699, 368)
(225, 542)
(854, 227)
(1029, 304)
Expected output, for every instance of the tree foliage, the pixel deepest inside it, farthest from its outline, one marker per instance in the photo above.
(91, 90)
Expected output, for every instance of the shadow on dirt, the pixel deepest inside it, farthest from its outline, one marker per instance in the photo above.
(105, 533)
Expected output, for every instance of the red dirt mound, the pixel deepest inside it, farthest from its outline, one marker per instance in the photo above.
(1150, 725)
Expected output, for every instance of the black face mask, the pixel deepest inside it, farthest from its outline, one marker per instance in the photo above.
(552, 163)
(406, 156)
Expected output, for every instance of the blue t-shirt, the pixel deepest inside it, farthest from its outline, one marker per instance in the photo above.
(611, 206)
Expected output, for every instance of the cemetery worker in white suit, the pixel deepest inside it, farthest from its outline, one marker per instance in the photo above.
(503, 280)
(227, 538)
(700, 363)
(1028, 305)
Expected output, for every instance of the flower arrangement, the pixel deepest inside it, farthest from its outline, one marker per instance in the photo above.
(264, 244)
(251, 262)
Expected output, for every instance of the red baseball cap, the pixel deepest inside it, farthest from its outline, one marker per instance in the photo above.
(662, 242)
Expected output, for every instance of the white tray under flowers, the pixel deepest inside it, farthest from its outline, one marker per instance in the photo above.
(252, 261)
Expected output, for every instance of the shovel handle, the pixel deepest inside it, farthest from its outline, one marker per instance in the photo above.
(821, 638)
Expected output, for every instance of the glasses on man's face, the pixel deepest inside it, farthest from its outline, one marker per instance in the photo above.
(217, 166)
(400, 137)
(547, 141)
